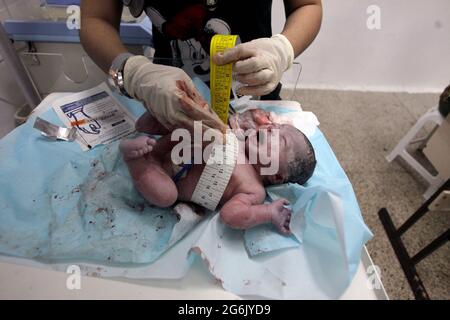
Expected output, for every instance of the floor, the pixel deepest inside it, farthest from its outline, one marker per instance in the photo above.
(363, 128)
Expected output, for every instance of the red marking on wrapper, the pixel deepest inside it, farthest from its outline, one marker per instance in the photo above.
(78, 122)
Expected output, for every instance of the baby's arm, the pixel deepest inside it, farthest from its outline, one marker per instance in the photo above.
(245, 210)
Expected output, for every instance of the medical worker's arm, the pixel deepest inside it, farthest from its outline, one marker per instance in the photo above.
(304, 18)
(259, 64)
(160, 88)
(99, 33)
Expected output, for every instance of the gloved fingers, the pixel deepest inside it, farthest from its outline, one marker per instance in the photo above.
(256, 78)
(187, 122)
(191, 93)
(257, 90)
(206, 116)
(184, 121)
(215, 124)
(189, 113)
(240, 52)
(196, 108)
(250, 65)
(220, 135)
(190, 108)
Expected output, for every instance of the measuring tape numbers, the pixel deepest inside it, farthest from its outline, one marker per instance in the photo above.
(221, 76)
(216, 174)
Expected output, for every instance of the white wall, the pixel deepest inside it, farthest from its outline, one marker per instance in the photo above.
(411, 51)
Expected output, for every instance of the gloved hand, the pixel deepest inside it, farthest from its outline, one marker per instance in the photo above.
(259, 64)
(169, 95)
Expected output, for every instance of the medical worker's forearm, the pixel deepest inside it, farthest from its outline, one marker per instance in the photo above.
(99, 33)
(304, 18)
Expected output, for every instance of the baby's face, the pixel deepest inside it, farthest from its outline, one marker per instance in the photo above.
(278, 145)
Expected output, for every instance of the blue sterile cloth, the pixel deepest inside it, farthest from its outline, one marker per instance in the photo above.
(317, 262)
(321, 256)
(59, 204)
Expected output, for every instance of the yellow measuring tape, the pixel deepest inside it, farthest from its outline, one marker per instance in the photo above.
(221, 76)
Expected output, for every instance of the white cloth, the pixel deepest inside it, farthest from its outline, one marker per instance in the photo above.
(289, 112)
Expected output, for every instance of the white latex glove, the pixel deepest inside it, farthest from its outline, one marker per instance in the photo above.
(169, 95)
(259, 64)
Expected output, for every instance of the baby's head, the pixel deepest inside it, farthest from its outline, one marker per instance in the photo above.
(296, 157)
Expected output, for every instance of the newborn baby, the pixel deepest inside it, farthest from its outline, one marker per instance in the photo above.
(242, 203)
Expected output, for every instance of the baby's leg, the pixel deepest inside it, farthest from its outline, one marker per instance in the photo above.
(152, 181)
(147, 172)
(137, 147)
(148, 124)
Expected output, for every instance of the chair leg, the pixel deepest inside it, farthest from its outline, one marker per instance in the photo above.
(404, 142)
(433, 187)
(394, 235)
(430, 248)
(431, 116)
(419, 168)
(417, 287)
(423, 144)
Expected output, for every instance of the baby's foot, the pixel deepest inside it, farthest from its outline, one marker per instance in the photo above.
(281, 216)
(137, 147)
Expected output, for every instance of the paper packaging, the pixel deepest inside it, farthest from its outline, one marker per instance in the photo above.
(98, 116)
(438, 149)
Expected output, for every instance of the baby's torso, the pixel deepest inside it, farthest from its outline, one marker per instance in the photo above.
(243, 179)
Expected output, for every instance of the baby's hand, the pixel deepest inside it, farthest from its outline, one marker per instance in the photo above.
(281, 216)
